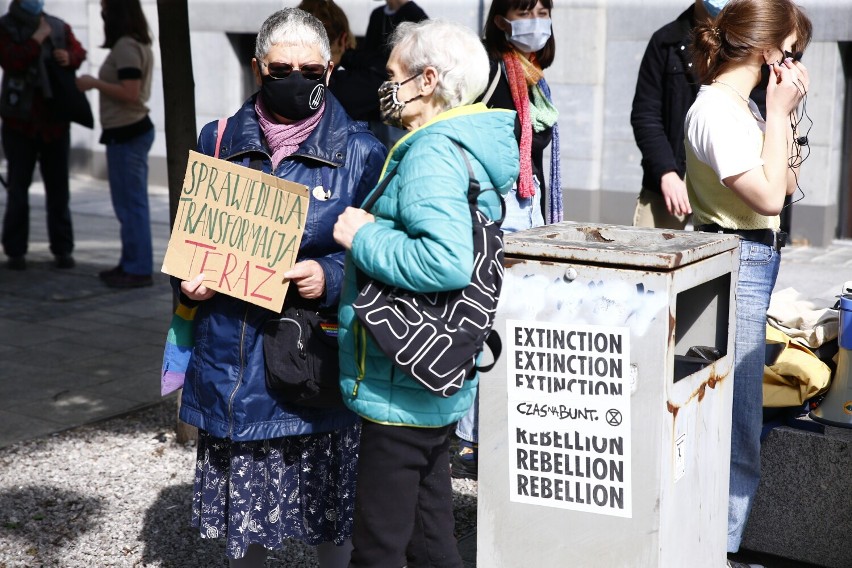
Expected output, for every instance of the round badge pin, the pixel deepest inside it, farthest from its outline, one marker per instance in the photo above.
(320, 193)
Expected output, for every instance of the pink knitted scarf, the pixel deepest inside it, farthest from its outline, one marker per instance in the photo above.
(284, 139)
(521, 98)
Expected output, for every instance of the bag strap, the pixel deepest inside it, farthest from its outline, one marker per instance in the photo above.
(486, 98)
(474, 189)
(492, 340)
(57, 32)
(377, 193)
(223, 122)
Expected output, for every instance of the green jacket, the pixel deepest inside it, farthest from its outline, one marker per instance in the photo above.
(422, 240)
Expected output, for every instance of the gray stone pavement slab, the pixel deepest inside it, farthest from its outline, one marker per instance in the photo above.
(73, 351)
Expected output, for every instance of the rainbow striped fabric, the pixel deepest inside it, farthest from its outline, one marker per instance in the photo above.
(178, 349)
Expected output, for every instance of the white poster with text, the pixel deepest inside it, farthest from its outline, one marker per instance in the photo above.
(569, 416)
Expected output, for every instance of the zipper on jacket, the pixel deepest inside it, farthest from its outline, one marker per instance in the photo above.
(239, 377)
(360, 356)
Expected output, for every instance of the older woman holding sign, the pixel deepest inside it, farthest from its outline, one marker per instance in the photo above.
(418, 236)
(276, 463)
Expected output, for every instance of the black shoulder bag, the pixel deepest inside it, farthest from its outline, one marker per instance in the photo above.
(67, 101)
(436, 337)
(300, 355)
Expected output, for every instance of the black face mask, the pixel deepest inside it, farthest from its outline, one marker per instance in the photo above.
(293, 97)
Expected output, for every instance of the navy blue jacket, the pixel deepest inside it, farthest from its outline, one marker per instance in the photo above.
(665, 89)
(225, 391)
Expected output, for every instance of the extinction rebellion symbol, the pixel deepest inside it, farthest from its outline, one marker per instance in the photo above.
(613, 417)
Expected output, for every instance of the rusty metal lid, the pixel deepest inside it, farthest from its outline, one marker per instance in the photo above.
(617, 245)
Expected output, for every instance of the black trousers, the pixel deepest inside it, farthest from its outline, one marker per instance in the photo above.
(404, 499)
(22, 152)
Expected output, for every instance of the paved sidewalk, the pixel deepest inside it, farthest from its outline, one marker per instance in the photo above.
(73, 351)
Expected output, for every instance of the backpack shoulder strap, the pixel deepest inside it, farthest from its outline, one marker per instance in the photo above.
(493, 85)
(220, 131)
(57, 32)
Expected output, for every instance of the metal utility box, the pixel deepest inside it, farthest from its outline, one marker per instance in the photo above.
(603, 443)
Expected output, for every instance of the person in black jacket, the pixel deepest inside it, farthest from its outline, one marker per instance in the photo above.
(358, 73)
(31, 43)
(665, 89)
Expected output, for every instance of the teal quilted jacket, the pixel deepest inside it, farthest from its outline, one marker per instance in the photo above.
(422, 241)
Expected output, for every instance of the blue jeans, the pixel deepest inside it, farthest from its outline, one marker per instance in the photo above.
(128, 187)
(758, 271)
(468, 427)
(523, 213)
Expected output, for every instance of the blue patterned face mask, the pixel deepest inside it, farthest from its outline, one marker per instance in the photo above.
(714, 6)
(34, 7)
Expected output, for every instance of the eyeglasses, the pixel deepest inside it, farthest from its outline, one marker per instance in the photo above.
(312, 71)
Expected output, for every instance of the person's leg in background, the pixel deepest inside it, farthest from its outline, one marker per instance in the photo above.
(127, 164)
(465, 462)
(651, 212)
(758, 271)
(53, 163)
(21, 155)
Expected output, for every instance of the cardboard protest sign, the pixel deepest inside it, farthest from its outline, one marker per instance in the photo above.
(240, 227)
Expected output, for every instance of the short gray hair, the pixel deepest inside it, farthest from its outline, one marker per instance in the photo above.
(453, 50)
(292, 26)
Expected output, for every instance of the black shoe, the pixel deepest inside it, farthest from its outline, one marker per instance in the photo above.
(463, 466)
(735, 564)
(16, 263)
(106, 274)
(124, 280)
(64, 261)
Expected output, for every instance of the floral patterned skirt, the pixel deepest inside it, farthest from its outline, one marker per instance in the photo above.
(266, 491)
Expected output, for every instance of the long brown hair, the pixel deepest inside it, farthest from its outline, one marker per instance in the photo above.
(124, 18)
(333, 18)
(745, 27)
(495, 40)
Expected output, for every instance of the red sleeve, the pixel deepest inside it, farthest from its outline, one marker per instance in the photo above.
(17, 57)
(76, 53)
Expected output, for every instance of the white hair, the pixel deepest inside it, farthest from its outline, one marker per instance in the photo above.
(453, 50)
(291, 26)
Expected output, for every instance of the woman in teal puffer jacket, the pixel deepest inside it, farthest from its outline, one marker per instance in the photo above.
(418, 237)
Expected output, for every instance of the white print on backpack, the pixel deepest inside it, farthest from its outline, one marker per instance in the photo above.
(440, 347)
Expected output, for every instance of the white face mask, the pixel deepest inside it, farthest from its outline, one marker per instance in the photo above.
(529, 34)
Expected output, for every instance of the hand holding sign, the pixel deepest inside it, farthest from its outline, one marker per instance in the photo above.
(196, 290)
(241, 229)
(308, 277)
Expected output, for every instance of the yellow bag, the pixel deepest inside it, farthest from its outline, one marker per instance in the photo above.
(796, 375)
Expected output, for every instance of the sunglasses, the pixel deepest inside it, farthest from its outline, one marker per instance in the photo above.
(311, 71)
(795, 56)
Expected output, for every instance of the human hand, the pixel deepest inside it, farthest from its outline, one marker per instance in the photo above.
(348, 224)
(86, 82)
(675, 195)
(791, 83)
(308, 277)
(196, 290)
(61, 56)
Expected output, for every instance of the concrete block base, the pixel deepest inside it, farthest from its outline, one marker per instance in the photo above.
(803, 509)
